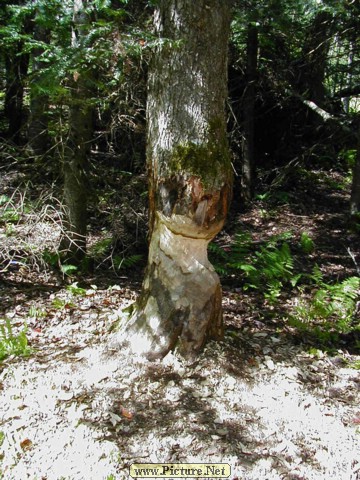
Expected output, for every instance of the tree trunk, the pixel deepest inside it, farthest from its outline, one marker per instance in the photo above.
(75, 167)
(248, 161)
(311, 74)
(190, 178)
(16, 66)
(16, 63)
(39, 102)
(355, 187)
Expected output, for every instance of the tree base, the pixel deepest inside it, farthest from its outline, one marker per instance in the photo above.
(180, 305)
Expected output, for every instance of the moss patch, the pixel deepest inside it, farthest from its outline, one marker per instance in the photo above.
(209, 161)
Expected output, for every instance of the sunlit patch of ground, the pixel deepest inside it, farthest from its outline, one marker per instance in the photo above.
(77, 409)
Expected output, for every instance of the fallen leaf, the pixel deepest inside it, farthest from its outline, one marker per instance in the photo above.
(105, 301)
(26, 444)
(125, 413)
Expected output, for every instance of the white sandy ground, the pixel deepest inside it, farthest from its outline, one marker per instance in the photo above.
(78, 409)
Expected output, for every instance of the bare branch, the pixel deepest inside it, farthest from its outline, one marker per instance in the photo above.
(348, 92)
(320, 111)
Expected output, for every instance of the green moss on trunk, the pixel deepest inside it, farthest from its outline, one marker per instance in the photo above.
(210, 161)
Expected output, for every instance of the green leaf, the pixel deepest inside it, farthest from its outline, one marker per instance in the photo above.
(75, 290)
(68, 269)
(11, 344)
(4, 199)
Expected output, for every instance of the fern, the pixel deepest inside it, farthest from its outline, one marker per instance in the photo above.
(306, 243)
(127, 262)
(331, 310)
(218, 257)
(269, 268)
(343, 300)
(276, 262)
(101, 248)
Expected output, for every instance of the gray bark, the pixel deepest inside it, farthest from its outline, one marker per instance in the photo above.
(190, 178)
(38, 135)
(75, 163)
(311, 74)
(355, 187)
(248, 163)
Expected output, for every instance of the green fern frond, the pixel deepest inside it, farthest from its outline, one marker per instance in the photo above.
(127, 262)
(331, 309)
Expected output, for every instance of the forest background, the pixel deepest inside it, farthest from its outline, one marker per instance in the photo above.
(74, 186)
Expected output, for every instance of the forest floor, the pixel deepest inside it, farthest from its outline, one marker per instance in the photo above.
(269, 400)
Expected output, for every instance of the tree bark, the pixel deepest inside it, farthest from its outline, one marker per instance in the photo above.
(16, 67)
(38, 134)
(355, 187)
(248, 162)
(190, 178)
(75, 163)
(312, 67)
(16, 63)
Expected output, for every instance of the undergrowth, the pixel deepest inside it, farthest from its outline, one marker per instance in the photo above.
(11, 344)
(25, 212)
(329, 312)
(269, 268)
(322, 310)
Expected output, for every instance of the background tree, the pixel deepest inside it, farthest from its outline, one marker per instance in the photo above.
(17, 19)
(309, 74)
(75, 161)
(355, 187)
(296, 72)
(249, 98)
(190, 177)
(38, 128)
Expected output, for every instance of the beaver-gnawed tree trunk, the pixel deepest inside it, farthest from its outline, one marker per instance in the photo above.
(190, 178)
